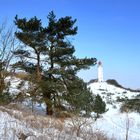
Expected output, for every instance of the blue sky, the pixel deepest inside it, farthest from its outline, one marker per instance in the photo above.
(107, 29)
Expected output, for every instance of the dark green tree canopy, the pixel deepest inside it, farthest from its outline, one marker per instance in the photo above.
(99, 105)
(49, 55)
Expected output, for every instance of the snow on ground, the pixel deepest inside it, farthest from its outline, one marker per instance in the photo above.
(110, 90)
(114, 123)
(111, 94)
(10, 127)
(13, 128)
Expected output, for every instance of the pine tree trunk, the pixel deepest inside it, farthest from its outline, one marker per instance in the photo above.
(49, 109)
(2, 84)
(38, 66)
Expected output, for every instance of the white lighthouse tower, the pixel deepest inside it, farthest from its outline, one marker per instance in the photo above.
(100, 72)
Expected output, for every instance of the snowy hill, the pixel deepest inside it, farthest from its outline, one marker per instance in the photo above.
(111, 94)
(113, 122)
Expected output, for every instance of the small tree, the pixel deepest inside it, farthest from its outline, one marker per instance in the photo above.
(8, 43)
(80, 98)
(99, 106)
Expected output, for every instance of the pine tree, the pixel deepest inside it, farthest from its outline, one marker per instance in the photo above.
(80, 97)
(33, 38)
(55, 66)
(99, 106)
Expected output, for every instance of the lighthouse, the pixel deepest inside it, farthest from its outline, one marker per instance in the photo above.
(100, 72)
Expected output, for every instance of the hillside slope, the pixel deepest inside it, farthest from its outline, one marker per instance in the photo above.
(111, 94)
(113, 122)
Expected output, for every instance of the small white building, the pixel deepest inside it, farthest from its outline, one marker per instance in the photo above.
(100, 72)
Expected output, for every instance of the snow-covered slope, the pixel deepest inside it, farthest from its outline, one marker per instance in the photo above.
(114, 123)
(112, 94)
(19, 125)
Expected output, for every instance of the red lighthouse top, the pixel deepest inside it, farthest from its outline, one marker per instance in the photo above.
(99, 63)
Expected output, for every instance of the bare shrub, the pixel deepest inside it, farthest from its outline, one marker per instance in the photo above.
(22, 136)
(74, 128)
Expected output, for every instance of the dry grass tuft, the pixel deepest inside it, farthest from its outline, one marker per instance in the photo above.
(65, 128)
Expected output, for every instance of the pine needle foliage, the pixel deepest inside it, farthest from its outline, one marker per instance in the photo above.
(99, 106)
(47, 56)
